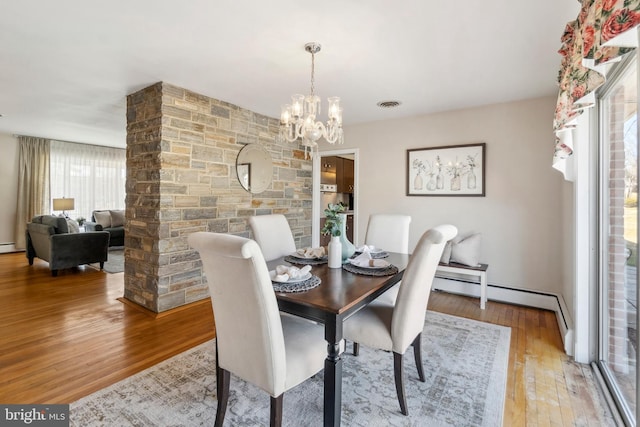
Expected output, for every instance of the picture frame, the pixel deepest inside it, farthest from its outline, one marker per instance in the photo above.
(454, 170)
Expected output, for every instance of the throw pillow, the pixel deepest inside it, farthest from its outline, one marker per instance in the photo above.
(103, 218)
(466, 250)
(117, 218)
(73, 226)
(446, 253)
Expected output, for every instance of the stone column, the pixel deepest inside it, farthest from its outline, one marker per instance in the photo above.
(181, 178)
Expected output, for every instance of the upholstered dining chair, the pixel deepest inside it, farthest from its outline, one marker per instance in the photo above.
(253, 341)
(273, 234)
(394, 326)
(389, 232)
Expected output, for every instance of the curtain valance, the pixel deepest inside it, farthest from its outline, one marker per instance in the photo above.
(601, 34)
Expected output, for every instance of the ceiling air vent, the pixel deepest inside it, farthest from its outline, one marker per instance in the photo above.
(388, 104)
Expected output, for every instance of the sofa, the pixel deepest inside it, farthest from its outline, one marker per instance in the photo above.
(49, 238)
(111, 221)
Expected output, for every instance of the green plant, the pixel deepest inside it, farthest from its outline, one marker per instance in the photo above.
(80, 220)
(333, 221)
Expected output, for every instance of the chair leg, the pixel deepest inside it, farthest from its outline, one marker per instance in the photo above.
(275, 417)
(101, 265)
(223, 378)
(398, 371)
(417, 353)
(356, 349)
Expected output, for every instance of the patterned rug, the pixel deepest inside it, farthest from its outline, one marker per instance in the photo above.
(115, 261)
(465, 364)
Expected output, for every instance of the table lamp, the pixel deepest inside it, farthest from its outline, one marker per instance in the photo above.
(63, 205)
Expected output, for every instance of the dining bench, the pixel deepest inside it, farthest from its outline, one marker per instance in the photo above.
(444, 271)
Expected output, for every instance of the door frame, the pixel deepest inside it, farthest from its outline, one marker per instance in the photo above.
(317, 209)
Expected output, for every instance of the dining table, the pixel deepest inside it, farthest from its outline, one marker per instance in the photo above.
(339, 295)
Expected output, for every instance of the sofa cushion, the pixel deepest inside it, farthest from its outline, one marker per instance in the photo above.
(103, 218)
(117, 218)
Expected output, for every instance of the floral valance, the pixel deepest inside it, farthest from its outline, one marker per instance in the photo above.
(598, 36)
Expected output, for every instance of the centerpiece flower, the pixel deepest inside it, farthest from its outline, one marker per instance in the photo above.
(333, 220)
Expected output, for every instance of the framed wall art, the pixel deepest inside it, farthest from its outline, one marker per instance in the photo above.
(455, 170)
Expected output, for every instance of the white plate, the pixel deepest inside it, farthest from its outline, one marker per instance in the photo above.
(373, 251)
(273, 275)
(385, 264)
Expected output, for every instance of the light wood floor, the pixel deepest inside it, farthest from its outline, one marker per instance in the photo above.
(66, 337)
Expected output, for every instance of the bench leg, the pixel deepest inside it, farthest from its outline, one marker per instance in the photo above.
(483, 290)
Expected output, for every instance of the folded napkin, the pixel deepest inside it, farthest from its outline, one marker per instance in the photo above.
(311, 252)
(366, 248)
(286, 272)
(365, 260)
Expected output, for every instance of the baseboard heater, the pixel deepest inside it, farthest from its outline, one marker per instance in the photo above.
(526, 297)
(7, 247)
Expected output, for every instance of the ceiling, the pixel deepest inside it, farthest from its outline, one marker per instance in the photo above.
(67, 66)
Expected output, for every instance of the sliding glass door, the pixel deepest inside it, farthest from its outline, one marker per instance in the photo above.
(618, 342)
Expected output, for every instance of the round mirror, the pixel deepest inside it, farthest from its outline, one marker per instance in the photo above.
(254, 168)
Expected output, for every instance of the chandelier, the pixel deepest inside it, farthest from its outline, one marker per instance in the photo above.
(298, 119)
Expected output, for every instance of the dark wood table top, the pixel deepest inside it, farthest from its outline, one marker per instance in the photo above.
(341, 291)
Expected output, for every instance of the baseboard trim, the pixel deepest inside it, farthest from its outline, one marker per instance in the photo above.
(6, 248)
(526, 297)
(155, 315)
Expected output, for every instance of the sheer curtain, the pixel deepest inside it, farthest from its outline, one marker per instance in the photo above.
(33, 184)
(92, 175)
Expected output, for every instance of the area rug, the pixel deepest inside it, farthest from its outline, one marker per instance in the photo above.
(115, 261)
(465, 364)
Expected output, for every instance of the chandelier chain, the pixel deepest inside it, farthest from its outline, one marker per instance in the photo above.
(313, 68)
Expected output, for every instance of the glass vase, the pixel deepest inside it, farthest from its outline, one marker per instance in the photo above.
(455, 183)
(417, 182)
(431, 185)
(471, 180)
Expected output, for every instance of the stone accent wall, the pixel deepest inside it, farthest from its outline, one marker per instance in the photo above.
(181, 178)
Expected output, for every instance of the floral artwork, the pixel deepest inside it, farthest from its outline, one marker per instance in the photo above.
(456, 170)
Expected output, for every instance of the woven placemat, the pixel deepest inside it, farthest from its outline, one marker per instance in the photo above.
(306, 261)
(391, 270)
(305, 285)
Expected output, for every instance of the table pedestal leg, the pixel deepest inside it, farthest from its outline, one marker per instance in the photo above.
(333, 375)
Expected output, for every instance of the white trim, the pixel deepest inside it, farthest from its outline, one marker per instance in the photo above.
(545, 301)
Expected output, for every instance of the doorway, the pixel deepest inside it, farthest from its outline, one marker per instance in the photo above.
(335, 179)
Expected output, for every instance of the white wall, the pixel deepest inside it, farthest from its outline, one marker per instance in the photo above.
(8, 189)
(521, 217)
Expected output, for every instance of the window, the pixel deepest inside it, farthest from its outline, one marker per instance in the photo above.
(618, 223)
(94, 176)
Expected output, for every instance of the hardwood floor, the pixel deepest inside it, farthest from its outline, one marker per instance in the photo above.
(65, 337)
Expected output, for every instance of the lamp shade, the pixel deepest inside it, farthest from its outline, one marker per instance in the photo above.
(63, 204)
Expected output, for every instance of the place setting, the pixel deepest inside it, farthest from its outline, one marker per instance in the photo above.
(375, 252)
(289, 278)
(308, 256)
(366, 264)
